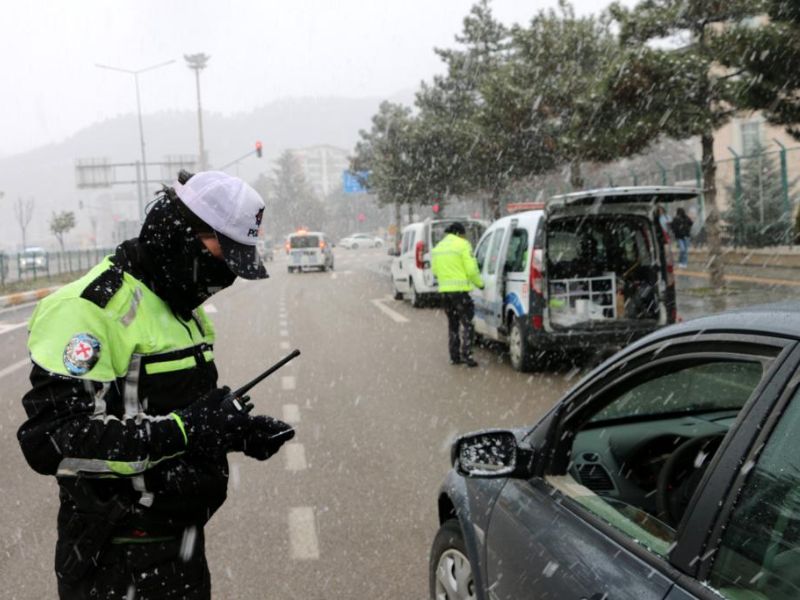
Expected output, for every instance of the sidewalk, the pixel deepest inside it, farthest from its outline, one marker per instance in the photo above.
(24, 297)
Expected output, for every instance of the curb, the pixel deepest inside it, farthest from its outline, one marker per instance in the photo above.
(25, 297)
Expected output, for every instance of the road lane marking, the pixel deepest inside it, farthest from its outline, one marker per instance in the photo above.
(284, 333)
(210, 309)
(285, 345)
(283, 323)
(15, 367)
(295, 457)
(288, 382)
(334, 276)
(7, 327)
(303, 533)
(393, 315)
(291, 413)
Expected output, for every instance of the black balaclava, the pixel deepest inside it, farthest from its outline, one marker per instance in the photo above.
(176, 264)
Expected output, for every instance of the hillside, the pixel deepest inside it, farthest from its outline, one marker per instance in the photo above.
(47, 174)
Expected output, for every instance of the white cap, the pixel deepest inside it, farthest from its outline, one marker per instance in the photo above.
(233, 210)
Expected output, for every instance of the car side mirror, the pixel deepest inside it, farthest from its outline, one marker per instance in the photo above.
(491, 454)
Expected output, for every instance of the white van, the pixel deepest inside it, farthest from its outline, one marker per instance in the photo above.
(309, 250)
(411, 267)
(589, 270)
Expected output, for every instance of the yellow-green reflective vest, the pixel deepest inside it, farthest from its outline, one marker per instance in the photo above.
(454, 266)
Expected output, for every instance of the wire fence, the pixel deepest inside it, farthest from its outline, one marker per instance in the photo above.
(757, 194)
(40, 265)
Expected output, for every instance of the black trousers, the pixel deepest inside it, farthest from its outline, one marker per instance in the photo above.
(460, 310)
(146, 571)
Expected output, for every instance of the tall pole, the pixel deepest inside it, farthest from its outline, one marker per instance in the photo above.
(198, 62)
(142, 187)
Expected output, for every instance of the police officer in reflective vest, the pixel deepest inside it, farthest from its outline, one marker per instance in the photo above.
(457, 274)
(125, 409)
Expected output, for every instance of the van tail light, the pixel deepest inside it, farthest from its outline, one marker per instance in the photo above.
(419, 250)
(322, 244)
(537, 321)
(537, 271)
(287, 247)
(670, 265)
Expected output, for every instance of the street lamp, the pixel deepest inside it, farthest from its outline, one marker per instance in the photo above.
(135, 74)
(198, 62)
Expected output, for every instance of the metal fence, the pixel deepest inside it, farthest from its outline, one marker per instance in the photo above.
(35, 266)
(758, 194)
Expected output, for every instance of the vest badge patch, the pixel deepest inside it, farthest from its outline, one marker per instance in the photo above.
(82, 353)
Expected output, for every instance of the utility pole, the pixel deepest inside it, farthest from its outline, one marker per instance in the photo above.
(198, 62)
(135, 73)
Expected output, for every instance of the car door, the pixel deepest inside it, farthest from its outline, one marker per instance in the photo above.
(480, 321)
(493, 277)
(399, 274)
(590, 526)
(752, 551)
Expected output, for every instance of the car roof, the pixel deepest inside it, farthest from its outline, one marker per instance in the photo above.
(641, 193)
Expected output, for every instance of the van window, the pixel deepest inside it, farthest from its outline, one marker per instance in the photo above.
(412, 237)
(304, 241)
(517, 251)
(483, 250)
(494, 254)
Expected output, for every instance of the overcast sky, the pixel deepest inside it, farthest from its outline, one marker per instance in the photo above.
(261, 50)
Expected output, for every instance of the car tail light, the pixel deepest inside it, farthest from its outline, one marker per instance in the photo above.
(419, 250)
(537, 271)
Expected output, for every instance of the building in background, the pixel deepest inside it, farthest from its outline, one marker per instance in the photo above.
(322, 166)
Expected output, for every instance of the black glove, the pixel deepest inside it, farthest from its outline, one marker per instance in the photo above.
(264, 437)
(216, 421)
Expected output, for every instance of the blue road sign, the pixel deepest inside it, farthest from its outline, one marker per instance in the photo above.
(352, 182)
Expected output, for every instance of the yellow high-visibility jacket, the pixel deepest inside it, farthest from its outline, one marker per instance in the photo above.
(454, 266)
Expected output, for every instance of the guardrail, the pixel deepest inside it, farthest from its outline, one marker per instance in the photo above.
(27, 266)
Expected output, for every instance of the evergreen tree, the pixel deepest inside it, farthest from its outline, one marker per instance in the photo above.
(765, 55)
(683, 92)
(756, 216)
(289, 198)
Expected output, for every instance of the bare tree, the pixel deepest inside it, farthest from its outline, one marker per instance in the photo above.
(23, 211)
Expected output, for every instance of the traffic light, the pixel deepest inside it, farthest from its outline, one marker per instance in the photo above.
(258, 149)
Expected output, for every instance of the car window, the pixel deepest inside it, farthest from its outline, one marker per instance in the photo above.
(494, 252)
(483, 249)
(759, 556)
(636, 460)
(304, 241)
(517, 254)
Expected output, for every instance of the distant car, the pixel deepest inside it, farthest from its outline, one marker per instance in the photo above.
(32, 259)
(361, 240)
(670, 472)
(309, 250)
(265, 250)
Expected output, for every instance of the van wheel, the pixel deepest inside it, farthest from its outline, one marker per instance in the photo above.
(398, 295)
(413, 296)
(450, 570)
(290, 269)
(519, 350)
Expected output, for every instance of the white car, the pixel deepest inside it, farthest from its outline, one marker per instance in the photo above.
(411, 266)
(309, 250)
(361, 240)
